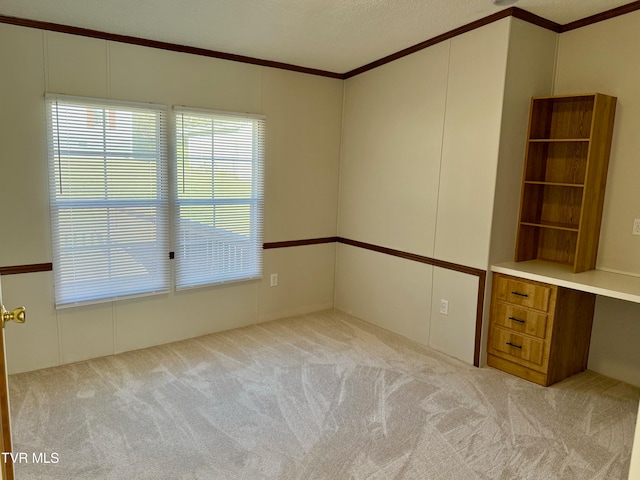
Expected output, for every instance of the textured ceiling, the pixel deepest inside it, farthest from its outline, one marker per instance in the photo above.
(333, 35)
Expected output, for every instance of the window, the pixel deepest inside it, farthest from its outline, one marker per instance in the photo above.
(109, 200)
(108, 174)
(218, 197)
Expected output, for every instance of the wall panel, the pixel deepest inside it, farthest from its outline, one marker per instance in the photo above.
(145, 74)
(387, 291)
(455, 332)
(418, 166)
(147, 321)
(76, 65)
(393, 120)
(85, 332)
(475, 91)
(530, 71)
(614, 340)
(303, 147)
(305, 281)
(24, 209)
(634, 470)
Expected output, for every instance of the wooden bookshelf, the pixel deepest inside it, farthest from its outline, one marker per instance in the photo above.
(564, 179)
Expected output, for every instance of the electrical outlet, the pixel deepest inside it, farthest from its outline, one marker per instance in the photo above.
(636, 226)
(274, 279)
(444, 307)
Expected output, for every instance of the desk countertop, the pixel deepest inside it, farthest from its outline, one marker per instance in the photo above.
(615, 285)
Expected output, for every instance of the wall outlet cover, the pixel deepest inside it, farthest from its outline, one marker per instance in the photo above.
(444, 307)
(636, 226)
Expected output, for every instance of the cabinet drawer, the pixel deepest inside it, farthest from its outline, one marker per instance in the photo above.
(520, 319)
(517, 346)
(521, 292)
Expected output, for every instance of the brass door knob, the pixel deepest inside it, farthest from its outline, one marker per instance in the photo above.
(17, 315)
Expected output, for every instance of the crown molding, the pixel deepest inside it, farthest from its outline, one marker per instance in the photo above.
(173, 47)
(507, 12)
(599, 17)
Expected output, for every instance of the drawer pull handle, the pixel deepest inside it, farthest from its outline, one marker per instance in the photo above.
(516, 320)
(514, 345)
(520, 294)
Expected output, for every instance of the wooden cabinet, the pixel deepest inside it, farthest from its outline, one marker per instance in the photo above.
(564, 179)
(539, 332)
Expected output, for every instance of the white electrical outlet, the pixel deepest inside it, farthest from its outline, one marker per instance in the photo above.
(636, 226)
(274, 279)
(444, 307)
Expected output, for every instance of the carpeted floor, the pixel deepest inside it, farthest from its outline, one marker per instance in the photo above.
(320, 396)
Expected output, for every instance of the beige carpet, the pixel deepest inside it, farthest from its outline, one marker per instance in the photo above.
(321, 396)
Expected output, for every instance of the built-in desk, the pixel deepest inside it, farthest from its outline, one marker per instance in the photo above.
(542, 315)
(614, 285)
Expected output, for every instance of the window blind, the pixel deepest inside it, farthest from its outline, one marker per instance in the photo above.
(218, 197)
(109, 199)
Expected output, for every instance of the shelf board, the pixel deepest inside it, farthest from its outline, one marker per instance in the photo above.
(554, 226)
(609, 284)
(555, 184)
(557, 140)
(590, 96)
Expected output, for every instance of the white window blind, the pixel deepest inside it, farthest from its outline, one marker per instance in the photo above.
(218, 197)
(109, 200)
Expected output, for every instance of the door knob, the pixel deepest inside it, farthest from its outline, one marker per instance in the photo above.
(17, 315)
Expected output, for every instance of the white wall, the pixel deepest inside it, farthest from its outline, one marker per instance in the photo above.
(391, 148)
(301, 180)
(634, 470)
(22, 131)
(429, 143)
(476, 81)
(390, 165)
(603, 57)
(419, 155)
(454, 332)
(470, 146)
(387, 291)
(614, 340)
(530, 72)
